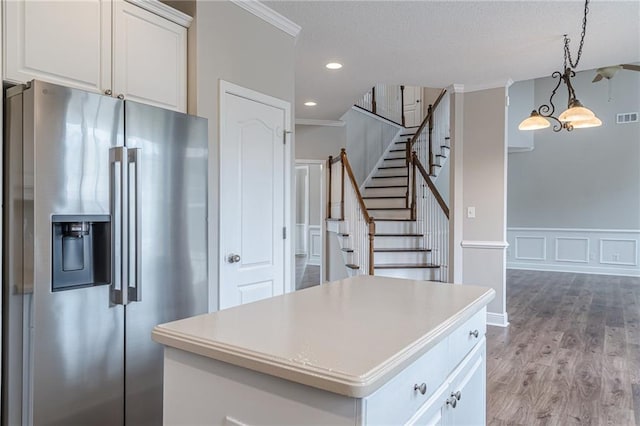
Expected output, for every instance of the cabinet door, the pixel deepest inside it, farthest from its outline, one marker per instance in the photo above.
(149, 58)
(67, 43)
(470, 382)
(434, 411)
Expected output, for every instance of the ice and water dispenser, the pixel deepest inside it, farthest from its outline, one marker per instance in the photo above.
(81, 251)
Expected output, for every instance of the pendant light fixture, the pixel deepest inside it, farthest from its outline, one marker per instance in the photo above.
(576, 116)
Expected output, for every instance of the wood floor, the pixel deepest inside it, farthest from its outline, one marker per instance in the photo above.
(571, 355)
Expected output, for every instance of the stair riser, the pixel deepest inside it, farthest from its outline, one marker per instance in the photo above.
(398, 242)
(385, 202)
(391, 172)
(385, 192)
(389, 181)
(386, 258)
(396, 227)
(411, 274)
(395, 162)
(391, 214)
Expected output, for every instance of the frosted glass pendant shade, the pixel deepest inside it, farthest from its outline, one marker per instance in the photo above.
(534, 122)
(592, 122)
(576, 112)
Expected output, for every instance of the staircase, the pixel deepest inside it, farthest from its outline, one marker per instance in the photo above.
(400, 249)
(396, 223)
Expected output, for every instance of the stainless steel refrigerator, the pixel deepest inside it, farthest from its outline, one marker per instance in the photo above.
(105, 236)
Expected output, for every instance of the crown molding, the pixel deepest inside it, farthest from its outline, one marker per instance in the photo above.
(161, 9)
(457, 88)
(498, 84)
(313, 122)
(269, 15)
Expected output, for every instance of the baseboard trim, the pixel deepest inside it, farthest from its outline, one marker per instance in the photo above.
(626, 272)
(498, 320)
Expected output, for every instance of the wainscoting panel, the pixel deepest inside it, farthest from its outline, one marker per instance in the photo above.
(315, 245)
(530, 247)
(592, 251)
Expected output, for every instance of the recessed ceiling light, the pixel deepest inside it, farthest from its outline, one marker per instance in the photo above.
(334, 66)
(310, 103)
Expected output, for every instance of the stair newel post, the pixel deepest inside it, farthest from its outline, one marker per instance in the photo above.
(402, 104)
(413, 186)
(343, 155)
(372, 233)
(373, 99)
(430, 114)
(329, 166)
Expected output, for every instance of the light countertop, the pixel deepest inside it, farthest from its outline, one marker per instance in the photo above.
(348, 337)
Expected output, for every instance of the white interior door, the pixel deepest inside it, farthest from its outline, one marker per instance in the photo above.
(252, 195)
(412, 106)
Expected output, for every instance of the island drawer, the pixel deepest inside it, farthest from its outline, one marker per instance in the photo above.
(465, 337)
(398, 399)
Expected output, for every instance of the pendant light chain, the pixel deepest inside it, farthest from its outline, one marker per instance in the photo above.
(567, 52)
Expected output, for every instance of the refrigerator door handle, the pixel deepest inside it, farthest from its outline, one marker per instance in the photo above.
(135, 282)
(118, 200)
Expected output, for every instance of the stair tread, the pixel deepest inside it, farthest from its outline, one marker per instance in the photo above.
(406, 266)
(388, 208)
(390, 177)
(401, 250)
(352, 266)
(440, 155)
(391, 167)
(334, 219)
(403, 142)
(392, 219)
(398, 235)
(394, 158)
(383, 197)
(436, 165)
(445, 146)
(385, 186)
(344, 235)
(347, 250)
(398, 150)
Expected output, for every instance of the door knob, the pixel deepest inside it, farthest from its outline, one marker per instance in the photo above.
(233, 258)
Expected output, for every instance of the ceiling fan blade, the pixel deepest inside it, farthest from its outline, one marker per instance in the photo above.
(631, 67)
(598, 78)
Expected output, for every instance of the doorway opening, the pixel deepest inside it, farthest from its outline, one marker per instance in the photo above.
(309, 223)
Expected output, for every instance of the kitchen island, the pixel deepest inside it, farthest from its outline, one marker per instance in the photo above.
(363, 350)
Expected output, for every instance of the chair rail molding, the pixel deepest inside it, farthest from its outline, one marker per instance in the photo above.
(500, 245)
(581, 250)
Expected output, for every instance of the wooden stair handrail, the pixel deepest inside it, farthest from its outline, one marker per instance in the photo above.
(347, 166)
(425, 121)
(430, 184)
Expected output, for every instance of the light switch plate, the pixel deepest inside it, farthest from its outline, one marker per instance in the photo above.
(471, 212)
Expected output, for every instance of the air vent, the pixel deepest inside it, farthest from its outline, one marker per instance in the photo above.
(627, 117)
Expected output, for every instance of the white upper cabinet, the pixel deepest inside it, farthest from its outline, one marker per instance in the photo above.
(150, 58)
(106, 46)
(64, 43)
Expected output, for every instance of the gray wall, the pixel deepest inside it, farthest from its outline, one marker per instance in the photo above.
(521, 101)
(367, 139)
(315, 187)
(588, 178)
(226, 42)
(319, 142)
(484, 187)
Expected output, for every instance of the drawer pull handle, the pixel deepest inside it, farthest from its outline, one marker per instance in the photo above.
(452, 402)
(420, 388)
(456, 395)
(474, 333)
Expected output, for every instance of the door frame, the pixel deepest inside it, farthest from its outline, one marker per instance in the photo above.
(323, 212)
(226, 87)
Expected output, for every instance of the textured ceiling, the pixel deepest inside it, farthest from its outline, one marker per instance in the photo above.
(438, 43)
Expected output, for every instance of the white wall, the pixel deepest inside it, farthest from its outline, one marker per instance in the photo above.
(367, 139)
(226, 42)
(578, 188)
(319, 142)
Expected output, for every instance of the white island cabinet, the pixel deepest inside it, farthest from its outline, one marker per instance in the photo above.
(360, 351)
(133, 49)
